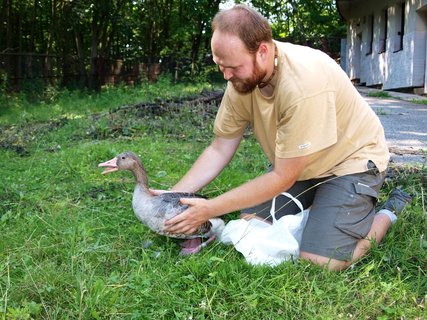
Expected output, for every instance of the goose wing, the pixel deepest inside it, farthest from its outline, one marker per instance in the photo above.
(172, 198)
(174, 207)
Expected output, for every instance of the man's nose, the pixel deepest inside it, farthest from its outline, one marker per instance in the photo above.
(227, 73)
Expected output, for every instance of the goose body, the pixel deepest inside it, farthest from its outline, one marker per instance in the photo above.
(154, 210)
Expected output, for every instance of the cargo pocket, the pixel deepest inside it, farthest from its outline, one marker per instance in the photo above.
(356, 215)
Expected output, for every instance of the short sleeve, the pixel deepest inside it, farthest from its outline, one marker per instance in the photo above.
(308, 126)
(232, 118)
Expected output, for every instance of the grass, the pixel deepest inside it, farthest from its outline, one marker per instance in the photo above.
(385, 94)
(380, 112)
(71, 247)
(379, 94)
(419, 101)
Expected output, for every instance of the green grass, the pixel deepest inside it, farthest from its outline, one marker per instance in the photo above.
(71, 247)
(380, 112)
(52, 104)
(419, 101)
(379, 94)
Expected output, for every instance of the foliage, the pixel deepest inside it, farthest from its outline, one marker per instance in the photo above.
(87, 43)
(72, 104)
(309, 22)
(71, 247)
(80, 41)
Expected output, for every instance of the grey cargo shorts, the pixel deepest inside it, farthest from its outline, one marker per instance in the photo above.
(342, 211)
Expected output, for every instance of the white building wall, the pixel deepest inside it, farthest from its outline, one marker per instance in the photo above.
(391, 70)
(354, 49)
(406, 68)
(375, 61)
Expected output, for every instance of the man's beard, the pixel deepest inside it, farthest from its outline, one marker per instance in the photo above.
(248, 85)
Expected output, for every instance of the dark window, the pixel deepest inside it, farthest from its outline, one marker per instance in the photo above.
(400, 21)
(382, 47)
(370, 35)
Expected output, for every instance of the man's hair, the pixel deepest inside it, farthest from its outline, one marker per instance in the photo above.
(246, 23)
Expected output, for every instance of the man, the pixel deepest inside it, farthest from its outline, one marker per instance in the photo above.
(326, 145)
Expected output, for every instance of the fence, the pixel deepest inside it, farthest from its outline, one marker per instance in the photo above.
(23, 67)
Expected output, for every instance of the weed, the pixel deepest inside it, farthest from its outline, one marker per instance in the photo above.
(419, 101)
(380, 112)
(379, 94)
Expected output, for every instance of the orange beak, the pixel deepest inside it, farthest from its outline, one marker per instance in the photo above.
(111, 166)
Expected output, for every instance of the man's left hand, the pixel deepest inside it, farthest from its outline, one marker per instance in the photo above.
(191, 219)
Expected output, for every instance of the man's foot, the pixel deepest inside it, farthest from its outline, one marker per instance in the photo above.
(397, 201)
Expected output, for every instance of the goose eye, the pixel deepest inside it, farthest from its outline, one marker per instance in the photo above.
(123, 157)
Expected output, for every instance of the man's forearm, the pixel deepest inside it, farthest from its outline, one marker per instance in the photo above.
(260, 189)
(208, 166)
(254, 192)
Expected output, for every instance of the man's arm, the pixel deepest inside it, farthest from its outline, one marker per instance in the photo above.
(256, 191)
(209, 164)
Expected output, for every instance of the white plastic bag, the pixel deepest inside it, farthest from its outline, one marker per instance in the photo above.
(264, 243)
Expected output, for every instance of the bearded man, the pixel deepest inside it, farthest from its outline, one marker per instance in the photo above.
(326, 145)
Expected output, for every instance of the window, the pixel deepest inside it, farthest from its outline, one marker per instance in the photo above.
(370, 35)
(382, 45)
(400, 27)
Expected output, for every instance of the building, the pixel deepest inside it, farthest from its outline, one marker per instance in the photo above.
(386, 43)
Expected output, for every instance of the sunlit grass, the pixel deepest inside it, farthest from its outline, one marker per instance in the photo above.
(18, 108)
(71, 247)
(379, 94)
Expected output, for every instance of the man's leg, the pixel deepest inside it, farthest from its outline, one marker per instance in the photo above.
(341, 217)
(382, 222)
(379, 228)
(384, 218)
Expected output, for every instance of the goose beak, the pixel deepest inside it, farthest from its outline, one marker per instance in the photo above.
(111, 166)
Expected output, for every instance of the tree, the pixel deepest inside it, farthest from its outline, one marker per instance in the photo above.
(82, 42)
(309, 22)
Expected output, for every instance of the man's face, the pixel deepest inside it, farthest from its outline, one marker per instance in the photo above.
(239, 66)
(247, 85)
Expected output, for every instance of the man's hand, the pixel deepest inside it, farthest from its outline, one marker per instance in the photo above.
(190, 220)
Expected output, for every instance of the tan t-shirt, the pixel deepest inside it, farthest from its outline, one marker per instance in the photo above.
(314, 111)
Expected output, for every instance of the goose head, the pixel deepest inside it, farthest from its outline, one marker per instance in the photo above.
(126, 161)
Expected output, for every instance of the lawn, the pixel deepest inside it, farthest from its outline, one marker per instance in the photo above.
(71, 247)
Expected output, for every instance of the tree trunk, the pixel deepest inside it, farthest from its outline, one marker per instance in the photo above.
(48, 59)
(10, 61)
(78, 37)
(93, 57)
(3, 17)
(196, 46)
(18, 35)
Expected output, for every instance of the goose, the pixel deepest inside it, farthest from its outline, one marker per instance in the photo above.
(154, 210)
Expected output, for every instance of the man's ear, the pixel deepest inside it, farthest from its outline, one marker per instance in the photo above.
(262, 52)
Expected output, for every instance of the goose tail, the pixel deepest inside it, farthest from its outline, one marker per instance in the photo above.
(217, 226)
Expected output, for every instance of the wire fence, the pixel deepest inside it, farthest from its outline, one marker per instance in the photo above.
(19, 68)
